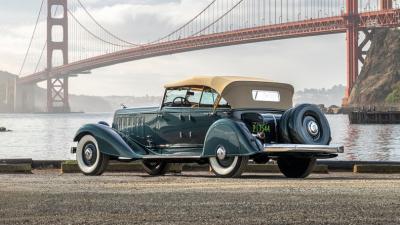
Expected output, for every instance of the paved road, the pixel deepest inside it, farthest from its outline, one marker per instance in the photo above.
(198, 198)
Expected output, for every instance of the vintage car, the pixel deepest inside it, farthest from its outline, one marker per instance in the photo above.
(220, 120)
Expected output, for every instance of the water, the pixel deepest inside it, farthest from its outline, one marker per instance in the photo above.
(42, 136)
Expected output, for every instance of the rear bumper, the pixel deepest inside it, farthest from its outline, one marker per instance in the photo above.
(300, 148)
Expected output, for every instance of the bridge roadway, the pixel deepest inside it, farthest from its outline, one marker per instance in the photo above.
(313, 27)
(46, 197)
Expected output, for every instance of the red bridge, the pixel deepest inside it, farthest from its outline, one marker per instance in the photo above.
(221, 23)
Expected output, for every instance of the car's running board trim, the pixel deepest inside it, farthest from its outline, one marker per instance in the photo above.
(171, 157)
(278, 148)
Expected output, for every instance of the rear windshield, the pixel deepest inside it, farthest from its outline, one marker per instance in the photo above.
(266, 96)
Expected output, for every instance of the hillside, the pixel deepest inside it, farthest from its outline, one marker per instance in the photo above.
(327, 97)
(379, 80)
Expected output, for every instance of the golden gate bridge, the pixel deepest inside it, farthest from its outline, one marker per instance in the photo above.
(74, 42)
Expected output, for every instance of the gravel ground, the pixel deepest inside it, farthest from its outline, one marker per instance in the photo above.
(46, 197)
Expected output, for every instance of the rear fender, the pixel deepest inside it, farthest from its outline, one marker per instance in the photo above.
(110, 142)
(234, 136)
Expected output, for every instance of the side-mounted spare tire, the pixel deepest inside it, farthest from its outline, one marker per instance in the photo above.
(284, 134)
(308, 125)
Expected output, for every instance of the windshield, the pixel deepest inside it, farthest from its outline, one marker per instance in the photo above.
(192, 97)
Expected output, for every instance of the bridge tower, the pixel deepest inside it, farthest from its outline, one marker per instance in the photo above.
(355, 49)
(57, 88)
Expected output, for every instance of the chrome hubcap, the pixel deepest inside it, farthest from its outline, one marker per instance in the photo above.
(221, 153)
(88, 153)
(313, 128)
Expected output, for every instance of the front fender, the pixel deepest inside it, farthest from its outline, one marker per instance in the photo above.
(110, 142)
(234, 136)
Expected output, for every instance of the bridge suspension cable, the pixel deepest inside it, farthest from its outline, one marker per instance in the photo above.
(103, 28)
(217, 20)
(91, 33)
(31, 40)
(184, 25)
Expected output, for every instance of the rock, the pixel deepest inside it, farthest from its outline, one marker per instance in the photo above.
(3, 129)
(334, 109)
(379, 81)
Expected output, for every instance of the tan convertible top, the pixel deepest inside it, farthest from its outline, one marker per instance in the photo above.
(237, 91)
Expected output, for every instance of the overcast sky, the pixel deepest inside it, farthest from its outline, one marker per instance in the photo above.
(312, 62)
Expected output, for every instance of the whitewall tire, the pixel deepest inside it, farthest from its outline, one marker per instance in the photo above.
(225, 166)
(90, 160)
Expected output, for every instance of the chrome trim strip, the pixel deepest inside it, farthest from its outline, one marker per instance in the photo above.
(277, 148)
(170, 157)
(124, 158)
(180, 146)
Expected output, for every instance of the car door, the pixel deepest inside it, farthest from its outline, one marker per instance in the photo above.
(203, 116)
(170, 121)
(188, 126)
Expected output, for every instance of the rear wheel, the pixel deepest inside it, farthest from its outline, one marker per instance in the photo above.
(293, 167)
(90, 160)
(227, 166)
(155, 168)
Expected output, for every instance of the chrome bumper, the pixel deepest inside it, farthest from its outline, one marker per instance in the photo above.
(283, 148)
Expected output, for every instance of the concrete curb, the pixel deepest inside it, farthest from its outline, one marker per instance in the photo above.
(348, 166)
(376, 168)
(16, 168)
(323, 166)
(16, 161)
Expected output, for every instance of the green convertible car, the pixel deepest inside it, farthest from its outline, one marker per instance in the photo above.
(221, 120)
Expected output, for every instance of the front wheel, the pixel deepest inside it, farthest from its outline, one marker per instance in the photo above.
(90, 160)
(228, 166)
(293, 167)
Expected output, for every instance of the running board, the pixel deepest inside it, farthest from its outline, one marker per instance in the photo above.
(284, 148)
(171, 157)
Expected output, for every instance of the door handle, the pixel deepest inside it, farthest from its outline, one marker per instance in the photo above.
(211, 114)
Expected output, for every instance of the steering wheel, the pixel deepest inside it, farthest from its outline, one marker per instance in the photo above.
(182, 102)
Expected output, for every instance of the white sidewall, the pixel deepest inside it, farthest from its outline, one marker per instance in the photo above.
(223, 170)
(79, 156)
